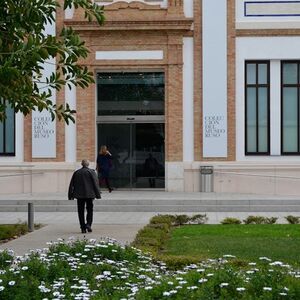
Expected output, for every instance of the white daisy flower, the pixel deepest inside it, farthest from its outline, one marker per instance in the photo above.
(224, 284)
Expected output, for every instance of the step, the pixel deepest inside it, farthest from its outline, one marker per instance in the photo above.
(158, 206)
(157, 202)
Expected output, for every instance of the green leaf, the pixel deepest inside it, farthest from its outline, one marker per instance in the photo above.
(44, 53)
(30, 41)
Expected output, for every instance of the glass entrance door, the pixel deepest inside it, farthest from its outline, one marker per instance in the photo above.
(138, 153)
(130, 120)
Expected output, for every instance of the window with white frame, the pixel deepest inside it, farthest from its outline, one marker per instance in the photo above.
(257, 107)
(7, 133)
(290, 106)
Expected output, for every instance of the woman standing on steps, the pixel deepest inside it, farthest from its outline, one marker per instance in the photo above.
(104, 163)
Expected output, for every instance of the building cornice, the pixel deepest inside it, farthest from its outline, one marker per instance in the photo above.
(132, 16)
(126, 25)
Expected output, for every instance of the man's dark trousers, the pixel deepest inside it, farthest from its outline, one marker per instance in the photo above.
(81, 203)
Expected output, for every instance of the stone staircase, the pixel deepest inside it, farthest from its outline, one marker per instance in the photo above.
(180, 204)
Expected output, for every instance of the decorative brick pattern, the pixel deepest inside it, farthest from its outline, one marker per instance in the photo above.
(197, 80)
(86, 123)
(135, 32)
(231, 79)
(27, 138)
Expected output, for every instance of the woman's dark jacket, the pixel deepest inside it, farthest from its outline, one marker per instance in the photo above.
(104, 164)
(84, 185)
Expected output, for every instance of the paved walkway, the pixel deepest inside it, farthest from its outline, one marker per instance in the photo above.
(39, 238)
(122, 226)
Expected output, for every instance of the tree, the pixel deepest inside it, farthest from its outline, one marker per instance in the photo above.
(25, 48)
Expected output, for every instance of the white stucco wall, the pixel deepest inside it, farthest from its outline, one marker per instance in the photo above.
(214, 44)
(188, 99)
(263, 48)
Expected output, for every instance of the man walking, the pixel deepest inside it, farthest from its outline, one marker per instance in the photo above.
(85, 188)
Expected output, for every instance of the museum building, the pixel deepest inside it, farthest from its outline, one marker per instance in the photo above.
(179, 84)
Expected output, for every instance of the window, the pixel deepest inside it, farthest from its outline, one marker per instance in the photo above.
(257, 108)
(290, 87)
(131, 93)
(7, 133)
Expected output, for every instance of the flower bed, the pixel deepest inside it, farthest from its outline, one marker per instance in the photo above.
(105, 270)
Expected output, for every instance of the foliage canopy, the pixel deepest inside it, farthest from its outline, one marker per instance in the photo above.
(25, 49)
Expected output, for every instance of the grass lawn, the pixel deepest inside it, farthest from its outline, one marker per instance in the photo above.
(8, 231)
(246, 242)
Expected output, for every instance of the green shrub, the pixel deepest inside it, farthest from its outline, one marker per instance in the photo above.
(271, 220)
(152, 237)
(199, 219)
(254, 220)
(293, 219)
(181, 219)
(260, 220)
(177, 220)
(152, 232)
(160, 219)
(229, 220)
(146, 241)
(163, 226)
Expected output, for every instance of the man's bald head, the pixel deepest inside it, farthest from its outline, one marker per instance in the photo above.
(85, 163)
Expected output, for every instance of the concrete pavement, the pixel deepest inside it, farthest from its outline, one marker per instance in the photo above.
(39, 238)
(122, 226)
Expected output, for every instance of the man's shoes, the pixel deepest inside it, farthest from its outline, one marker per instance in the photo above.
(89, 228)
(83, 230)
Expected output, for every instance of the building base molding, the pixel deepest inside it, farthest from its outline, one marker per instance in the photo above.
(35, 177)
(174, 176)
(228, 177)
(248, 178)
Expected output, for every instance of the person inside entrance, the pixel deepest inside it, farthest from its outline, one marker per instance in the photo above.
(104, 164)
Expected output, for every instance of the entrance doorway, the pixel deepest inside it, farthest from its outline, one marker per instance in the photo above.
(138, 153)
(131, 123)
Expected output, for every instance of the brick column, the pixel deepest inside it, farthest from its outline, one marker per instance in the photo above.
(27, 138)
(86, 124)
(197, 80)
(231, 117)
(174, 116)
